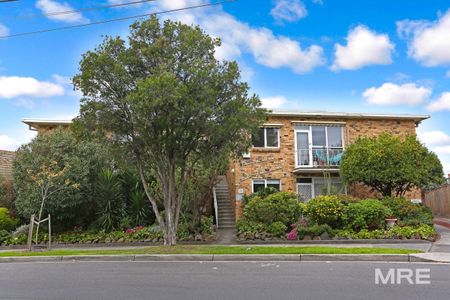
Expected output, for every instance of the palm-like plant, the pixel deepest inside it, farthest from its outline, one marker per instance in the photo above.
(110, 200)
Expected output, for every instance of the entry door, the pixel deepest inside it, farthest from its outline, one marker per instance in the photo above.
(303, 157)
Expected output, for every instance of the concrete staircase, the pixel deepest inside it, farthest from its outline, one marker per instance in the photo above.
(225, 209)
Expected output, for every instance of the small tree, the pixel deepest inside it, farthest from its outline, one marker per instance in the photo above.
(81, 161)
(164, 98)
(48, 180)
(391, 165)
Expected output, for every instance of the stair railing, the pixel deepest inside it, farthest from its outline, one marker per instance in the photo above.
(216, 209)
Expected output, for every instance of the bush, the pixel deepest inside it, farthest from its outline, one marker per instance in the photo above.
(424, 232)
(7, 222)
(314, 230)
(279, 207)
(5, 236)
(407, 212)
(7, 195)
(110, 198)
(367, 214)
(261, 194)
(206, 225)
(277, 229)
(326, 210)
(244, 226)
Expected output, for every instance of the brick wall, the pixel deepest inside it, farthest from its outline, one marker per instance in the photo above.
(6, 159)
(279, 163)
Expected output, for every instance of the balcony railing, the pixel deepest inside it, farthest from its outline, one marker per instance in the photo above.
(319, 157)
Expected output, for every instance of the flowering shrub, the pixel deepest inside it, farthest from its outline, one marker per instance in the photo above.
(292, 235)
(326, 210)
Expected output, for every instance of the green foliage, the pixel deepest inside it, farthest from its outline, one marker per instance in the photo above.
(206, 225)
(423, 231)
(279, 207)
(4, 236)
(7, 195)
(7, 222)
(244, 226)
(408, 213)
(326, 210)
(167, 102)
(110, 200)
(391, 165)
(367, 214)
(139, 211)
(261, 194)
(61, 148)
(277, 229)
(314, 230)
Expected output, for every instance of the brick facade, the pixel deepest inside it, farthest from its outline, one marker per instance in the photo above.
(279, 163)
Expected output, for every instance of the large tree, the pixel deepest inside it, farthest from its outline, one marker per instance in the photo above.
(164, 98)
(391, 165)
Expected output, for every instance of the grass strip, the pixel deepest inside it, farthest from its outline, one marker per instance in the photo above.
(206, 249)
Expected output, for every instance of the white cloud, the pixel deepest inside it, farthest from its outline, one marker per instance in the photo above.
(8, 143)
(288, 10)
(442, 103)
(442, 150)
(13, 86)
(3, 30)
(238, 38)
(364, 47)
(435, 137)
(274, 102)
(50, 6)
(428, 42)
(394, 94)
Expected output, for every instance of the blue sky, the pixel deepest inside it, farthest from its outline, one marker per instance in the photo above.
(358, 56)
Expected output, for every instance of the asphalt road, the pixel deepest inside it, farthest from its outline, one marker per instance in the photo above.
(214, 280)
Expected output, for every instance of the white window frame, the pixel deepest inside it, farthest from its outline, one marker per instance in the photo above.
(312, 184)
(311, 146)
(265, 183)
(265, 137)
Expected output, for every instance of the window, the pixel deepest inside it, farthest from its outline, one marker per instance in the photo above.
(266, 137)
(260, 184)
(308, 188)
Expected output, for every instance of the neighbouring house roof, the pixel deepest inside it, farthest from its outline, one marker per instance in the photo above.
(344, 115)
(6, 162)
(35, 123)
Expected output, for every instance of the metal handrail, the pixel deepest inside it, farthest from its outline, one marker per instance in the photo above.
(216, 209)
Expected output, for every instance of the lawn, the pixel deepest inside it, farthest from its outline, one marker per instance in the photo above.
(204, 249)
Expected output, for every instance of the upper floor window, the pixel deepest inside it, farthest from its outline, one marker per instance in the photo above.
(267, 137)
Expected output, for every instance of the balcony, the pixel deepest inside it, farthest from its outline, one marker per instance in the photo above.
(319, 157)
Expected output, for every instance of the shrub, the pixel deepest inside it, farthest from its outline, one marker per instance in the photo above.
(139, 212)
(5, 236)
(407, 212)
(277, 229)
(244, 226)
(326, 210)
(261, 194)
(7, 195)
(314, 230)
(110, 200)
(206, 225)
(7, 222)
(279, 207)
(425, 232)
(367, 214)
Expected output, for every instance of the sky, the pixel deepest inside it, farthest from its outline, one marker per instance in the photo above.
(371, 56)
